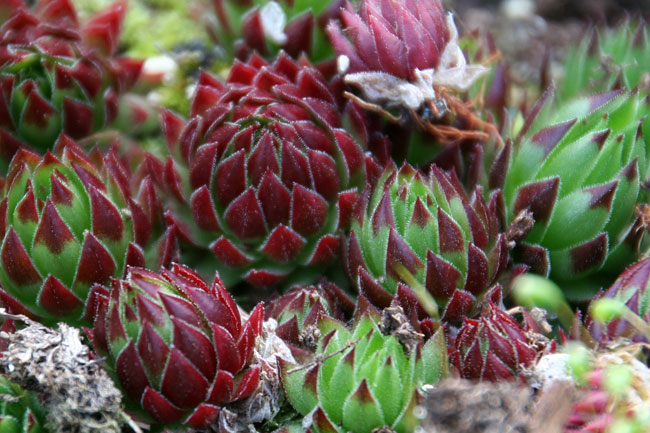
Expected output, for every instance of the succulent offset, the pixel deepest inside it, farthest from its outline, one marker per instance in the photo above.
(606, 59)
(20, 410)
(429, 228)
(177, 346)
(493, 346)
(299, 311)
(579, 167)
(67, 224)
(398, 51)
(58, 75)
(365, 379)
(630, 288)
(273, 175)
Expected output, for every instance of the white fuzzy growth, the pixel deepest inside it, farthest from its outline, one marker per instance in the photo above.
(453, 72)
(273, 22)
(342, 63)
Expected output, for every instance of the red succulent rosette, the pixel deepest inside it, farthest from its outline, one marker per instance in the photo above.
(631, 288)
(493, 346)
(273, 174)
(395, 52)
(57, 74)
(178, 346)
(395, 37)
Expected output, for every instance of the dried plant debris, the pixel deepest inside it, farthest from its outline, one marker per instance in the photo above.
(78, 395)
(265, 402)
(394, 322)
(463, 406)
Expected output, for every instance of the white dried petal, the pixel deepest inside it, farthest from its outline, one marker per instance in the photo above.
(383, 88)
(453, 70)
(424, 80)
(388, 89)
(266, 400)
(273, 22)
(460, 78)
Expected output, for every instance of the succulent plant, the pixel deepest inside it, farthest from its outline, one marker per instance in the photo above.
(398, 51)
(577, 168)
(427, 226)
(364, 380)
(177, 346)
(630, 288)
(20, 410)
(67, 224)
(268, 26)
(273, 175)
(404, 61)
(494, 346)
(299, 311)
(607, 59)
(59, 75)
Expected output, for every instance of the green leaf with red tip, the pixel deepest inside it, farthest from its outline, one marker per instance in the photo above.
(627, 195)
(588, 209)
(530, 155)
(375, 254)
(387, 387)
(339, 386)
(585, 258)
(361, 412)
(66, 250)
(582, 153)
(432, 365)
(300, 386)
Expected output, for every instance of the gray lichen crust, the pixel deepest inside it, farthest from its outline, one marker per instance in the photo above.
(78, 395)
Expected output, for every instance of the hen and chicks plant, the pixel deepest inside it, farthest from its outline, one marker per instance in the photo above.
(299, 172)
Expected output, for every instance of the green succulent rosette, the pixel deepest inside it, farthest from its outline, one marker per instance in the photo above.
(20, 410)
(577, 168)
(67, 224)
(607, 58)
(363, 379)
(58, 75)
(426, 226)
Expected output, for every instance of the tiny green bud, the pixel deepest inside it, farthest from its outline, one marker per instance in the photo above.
(607, 309)
(535, 291)
(618, 379)
(621, 425)
(580, 360)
